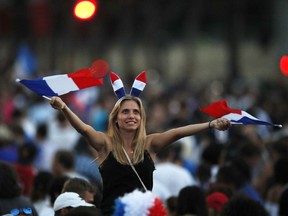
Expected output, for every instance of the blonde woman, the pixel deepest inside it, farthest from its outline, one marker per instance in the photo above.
(126, 153)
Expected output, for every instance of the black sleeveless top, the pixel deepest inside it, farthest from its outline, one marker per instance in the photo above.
(119, 179)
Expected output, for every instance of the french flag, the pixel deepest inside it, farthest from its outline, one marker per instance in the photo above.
(235, 116)
(138, 84)
(57, 85)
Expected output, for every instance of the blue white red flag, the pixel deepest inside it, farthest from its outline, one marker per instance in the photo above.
(220, 109)
(57, 85)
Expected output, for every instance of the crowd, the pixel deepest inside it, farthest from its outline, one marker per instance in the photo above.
(48, 168)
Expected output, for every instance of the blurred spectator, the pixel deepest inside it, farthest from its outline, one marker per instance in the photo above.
(191, 201)
(24, 166)
(46, 150)
(84, 210)
(242, 205)
(278, 186)
(19, 117)
(56, 187)
(237, 175)
(166, 171)
(283, 202)
(171, 204)
(39, 195)
(85, 162)
(61, 134)
(10, 192)
(215, 203)
(180, 160)
(222, 188)
(64, 164)
(8, 148)
(85, 189)
(66, 201)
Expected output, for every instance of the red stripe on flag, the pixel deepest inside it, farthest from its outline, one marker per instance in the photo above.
(84, 78)
(219, 109)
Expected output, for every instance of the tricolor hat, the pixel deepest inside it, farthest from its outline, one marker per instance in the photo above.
(137, 87)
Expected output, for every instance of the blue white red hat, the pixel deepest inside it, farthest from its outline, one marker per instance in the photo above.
(137, 87)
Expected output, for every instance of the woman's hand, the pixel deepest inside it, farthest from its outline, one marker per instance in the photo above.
(57, 103)
(220, 124)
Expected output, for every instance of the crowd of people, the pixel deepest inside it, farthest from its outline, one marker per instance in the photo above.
(54, 163)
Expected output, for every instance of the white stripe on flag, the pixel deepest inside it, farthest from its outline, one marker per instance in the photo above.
(61, 84)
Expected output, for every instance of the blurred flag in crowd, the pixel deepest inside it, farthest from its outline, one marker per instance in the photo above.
(220, 109)
(57, 85)
(25, 63)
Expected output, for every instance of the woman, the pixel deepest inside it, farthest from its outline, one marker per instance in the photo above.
(127, 140)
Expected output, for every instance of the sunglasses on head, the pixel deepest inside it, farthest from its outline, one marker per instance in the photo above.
(26, 211)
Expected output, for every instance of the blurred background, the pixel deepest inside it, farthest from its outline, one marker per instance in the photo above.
(195, 52)
(195, 40)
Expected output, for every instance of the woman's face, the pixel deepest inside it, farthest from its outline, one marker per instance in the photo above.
(129, 117)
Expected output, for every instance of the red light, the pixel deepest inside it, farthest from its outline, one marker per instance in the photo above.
(284, 65)
(85, 9)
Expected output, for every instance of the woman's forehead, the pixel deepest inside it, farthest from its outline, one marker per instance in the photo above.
(129, 104)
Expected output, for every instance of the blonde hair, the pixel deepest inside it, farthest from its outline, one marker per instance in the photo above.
(139, 139)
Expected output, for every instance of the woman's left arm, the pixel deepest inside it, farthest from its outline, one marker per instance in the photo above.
(159, 141)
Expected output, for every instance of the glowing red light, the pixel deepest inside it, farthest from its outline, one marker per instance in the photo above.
(284, 65)
(85, 9)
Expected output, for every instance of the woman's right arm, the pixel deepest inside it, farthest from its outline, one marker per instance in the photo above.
(95, 138)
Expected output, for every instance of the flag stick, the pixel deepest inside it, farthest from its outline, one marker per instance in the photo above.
(46, 97)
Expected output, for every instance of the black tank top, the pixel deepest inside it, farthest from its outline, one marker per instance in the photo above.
(119, 179)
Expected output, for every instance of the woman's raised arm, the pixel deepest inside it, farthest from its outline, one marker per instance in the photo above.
(95, 138)
(158, 141)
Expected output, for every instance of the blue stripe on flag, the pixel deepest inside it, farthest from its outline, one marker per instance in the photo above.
(246, 121)
(39, 86)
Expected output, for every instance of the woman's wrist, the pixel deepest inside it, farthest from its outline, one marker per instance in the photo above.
(210, 125)
(63, 108)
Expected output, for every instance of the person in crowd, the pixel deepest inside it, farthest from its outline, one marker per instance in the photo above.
(55, 187)
(84, 210)
(84, 188)
(85, 163)
(171, 205)
(240, 205)
(191, 201)
(66, 201)
(11, 199)
(26, 155)
(283, 202)
(215, 203)
(64, 164)
(126, 152)
(166, 171)
(39, 195)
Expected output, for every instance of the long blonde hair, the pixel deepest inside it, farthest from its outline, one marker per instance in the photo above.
(139, 139)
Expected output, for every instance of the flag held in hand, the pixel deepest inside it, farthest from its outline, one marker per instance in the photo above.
(220, 109)
(57, 85)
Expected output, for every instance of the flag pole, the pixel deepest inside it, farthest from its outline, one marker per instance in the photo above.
(46, 97)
